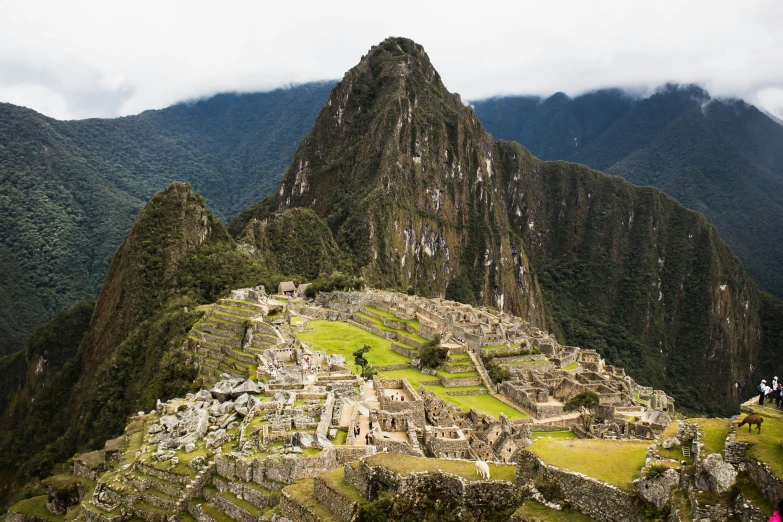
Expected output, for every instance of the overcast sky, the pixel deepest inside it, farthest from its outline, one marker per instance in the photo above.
(78, 59)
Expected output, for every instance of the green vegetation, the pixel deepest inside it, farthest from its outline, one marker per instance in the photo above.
(562, 434)
(668, 140)
(585, 403)
(765, 445)
(36, 506)
(431, 354)
(615, 462)
(404, 464)
(71, 189)
(715, 431)
(340, 438)
(342, 338)
(484, 402)
(532, 510)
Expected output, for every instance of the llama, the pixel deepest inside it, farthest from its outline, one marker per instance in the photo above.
(482, 469)
(752, 419)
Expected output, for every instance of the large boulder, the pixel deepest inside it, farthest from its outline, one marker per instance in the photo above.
(715, 475)
(670, 442)
(246, 387)
(302, 439)
(322, 442)
(245, 404)
(657, 490)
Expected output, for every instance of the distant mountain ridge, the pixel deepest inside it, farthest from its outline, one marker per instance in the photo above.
(70, 190)
(721, 157)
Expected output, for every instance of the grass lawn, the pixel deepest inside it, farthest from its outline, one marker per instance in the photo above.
(336, 481)
(36, 506)
(766, 445)
(340, 438)
(569, 367)
(715, 431)
(302, 492)
(555, 434)
(405, 464)
(484, 402)
(344, 339)
(615, 462)
(532, 510)
(675, 452)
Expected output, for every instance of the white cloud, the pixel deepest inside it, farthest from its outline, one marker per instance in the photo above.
(88, 58)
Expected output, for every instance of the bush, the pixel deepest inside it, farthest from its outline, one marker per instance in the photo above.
(335, 281)
(431, 355)
(655, 471)
(498, 373)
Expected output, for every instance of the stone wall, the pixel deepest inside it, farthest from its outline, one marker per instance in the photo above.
(338, 505)
(603, 502)
(326, 415)
(460, 381)
(478, 496)
(764, 479)
(402, 350)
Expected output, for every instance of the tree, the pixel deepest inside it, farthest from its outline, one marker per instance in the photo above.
(497, 373)
(358, 356)
(431, 355)
(585, 403)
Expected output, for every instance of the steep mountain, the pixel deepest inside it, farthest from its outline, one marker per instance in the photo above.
(422, 198)
(406, 178)
(721, 157)
(84, 372)
(69, 190)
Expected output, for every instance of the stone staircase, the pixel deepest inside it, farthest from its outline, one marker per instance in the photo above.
(479, 364)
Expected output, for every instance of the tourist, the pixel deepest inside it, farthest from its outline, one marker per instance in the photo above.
(367, 439)
(776, 516)
(762, 389)
(779, 397)
(402, 398)
(370, 424)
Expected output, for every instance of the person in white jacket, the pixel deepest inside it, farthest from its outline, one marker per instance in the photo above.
(763, 389)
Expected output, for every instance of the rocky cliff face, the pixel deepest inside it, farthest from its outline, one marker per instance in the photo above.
(421, 197)
(406, 178)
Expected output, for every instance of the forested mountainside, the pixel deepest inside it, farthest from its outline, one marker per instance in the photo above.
(422, 198)
(84, 372)
(723, 158)
(69, 190)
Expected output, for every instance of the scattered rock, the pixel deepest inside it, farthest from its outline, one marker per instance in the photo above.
(715, 474)
(657, 491)
(670, 443)
(245, 388)
(190, 447)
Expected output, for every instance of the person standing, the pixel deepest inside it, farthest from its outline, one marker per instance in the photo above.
(762, 391)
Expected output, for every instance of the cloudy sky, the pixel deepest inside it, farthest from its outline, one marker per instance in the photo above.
(79, 59)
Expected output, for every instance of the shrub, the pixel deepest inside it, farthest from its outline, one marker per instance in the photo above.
(431, 355)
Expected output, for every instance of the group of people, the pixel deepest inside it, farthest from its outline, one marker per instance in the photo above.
(398, 397)
(771, 393)
(369, 437)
